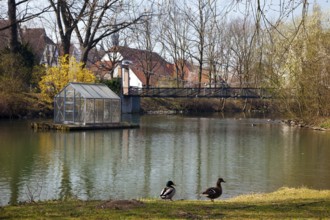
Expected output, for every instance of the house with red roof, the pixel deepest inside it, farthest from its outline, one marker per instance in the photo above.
(188, 75)
(43, 48)
(4, 34)
(144, 68)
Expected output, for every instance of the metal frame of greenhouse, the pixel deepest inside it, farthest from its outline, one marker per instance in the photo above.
(85, 103)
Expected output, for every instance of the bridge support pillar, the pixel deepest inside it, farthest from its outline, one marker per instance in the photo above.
(130, 104)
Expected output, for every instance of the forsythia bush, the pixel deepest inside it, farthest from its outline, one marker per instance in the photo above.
(68, 70)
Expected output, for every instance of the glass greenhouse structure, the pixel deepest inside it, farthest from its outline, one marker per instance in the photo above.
(84, 103)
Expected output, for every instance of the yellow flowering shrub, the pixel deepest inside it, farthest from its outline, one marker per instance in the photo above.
(57, 77)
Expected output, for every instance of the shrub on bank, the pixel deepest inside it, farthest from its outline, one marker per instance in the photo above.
(23, 105)
(325, 124)
(205, 105)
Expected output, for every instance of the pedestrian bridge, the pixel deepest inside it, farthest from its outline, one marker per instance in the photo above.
(225, 92)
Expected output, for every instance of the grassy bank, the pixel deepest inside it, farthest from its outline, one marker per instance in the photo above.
(286, 203)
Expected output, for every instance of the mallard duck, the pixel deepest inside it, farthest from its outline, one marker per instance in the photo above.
(214, 192)
(168, 192)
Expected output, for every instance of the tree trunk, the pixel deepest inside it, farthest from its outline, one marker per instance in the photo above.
(84, 56)
(65, 46)
(13, 38)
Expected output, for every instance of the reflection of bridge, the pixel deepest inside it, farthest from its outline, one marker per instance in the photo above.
(226, 92)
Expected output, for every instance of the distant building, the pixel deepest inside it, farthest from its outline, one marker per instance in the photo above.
(188, 75)
(43, 48)
(139, 63)
(4, 34)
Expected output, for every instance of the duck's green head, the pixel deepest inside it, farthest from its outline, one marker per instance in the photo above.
(170, 183)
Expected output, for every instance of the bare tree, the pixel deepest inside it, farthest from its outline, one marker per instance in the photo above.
(68, 14)
(203, 9)
(146, 38)
(112, 54)
(25, 13)
(214, 46)
(91, 21)
(103, 19)
(223, 52)
(174, 37)
(241, 32)
(146, 44)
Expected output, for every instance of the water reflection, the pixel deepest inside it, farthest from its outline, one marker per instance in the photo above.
(136, 163)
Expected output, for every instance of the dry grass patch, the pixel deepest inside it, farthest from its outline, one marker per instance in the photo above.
(284, 194)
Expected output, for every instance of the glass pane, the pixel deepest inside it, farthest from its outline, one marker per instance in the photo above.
(78, 110)
(115, 110)
(107, 111)
(89, 114)
(99, 110)
(58, 110)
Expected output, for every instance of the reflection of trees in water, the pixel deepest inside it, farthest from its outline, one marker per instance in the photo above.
(99, 163)
(17, 156)
(65, 189)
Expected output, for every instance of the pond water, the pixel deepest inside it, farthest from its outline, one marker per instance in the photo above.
(250, 154)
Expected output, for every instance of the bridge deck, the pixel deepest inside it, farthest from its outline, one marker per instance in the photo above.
(230, 92)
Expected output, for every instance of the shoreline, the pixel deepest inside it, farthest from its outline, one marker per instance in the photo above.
(172, 106)
(295, 123)
(283, 203)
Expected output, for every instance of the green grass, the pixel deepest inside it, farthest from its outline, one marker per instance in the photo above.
(286, 203)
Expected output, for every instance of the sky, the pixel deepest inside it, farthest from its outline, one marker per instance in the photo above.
(271, 7)
(235, 10)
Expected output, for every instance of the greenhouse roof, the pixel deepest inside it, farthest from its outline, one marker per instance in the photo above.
(91, 91)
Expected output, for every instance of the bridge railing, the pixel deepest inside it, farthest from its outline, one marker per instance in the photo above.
(225, 92)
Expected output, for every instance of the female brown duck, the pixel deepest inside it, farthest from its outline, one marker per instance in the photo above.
(214, 192)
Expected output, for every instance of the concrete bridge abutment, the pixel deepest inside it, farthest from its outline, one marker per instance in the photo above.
(130, 104)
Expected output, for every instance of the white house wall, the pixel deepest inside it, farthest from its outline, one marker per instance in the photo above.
(49, 55)
(134, 80)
